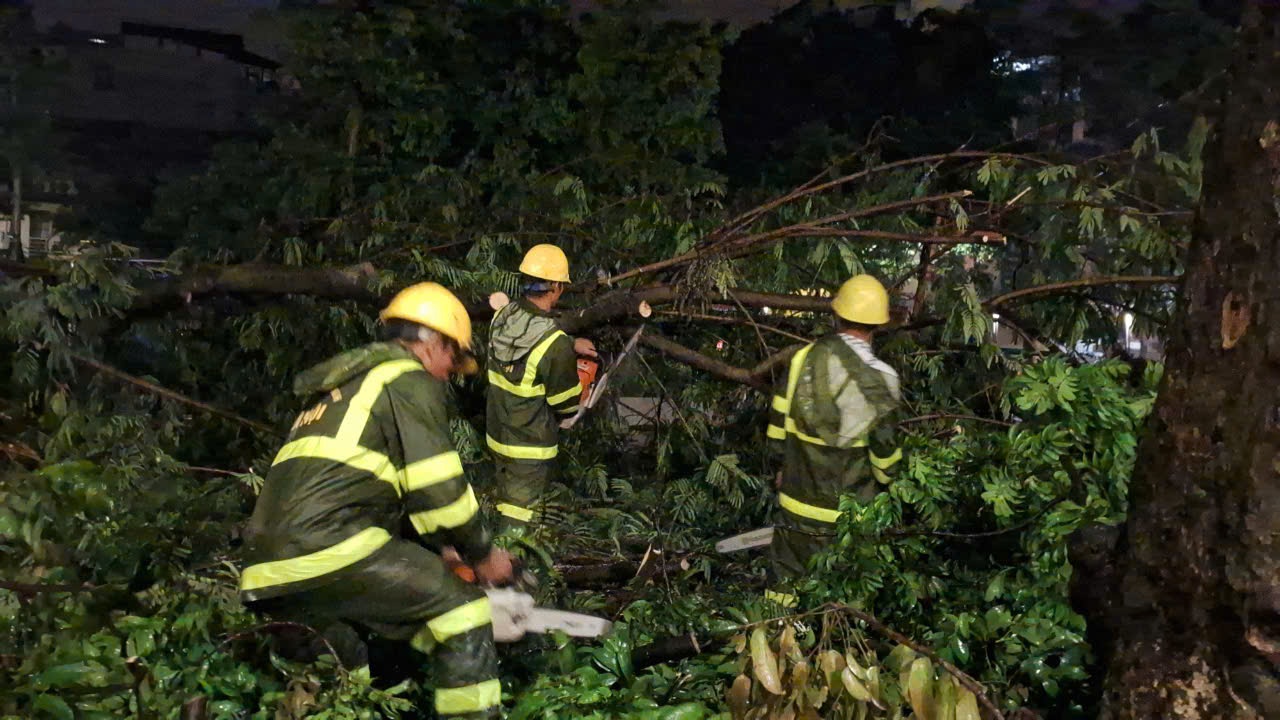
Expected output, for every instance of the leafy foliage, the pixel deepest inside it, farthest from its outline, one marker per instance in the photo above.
(439, 144)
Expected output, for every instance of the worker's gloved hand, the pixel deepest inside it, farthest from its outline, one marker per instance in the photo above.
(495, 568)
(583, 346)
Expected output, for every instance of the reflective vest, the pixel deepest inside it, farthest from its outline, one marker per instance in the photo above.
(826, 420)
(374, 448)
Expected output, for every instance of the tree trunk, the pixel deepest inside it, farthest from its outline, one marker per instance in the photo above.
(1196, 627)
(15, 246)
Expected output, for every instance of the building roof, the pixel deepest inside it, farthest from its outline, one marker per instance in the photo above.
(226, 44)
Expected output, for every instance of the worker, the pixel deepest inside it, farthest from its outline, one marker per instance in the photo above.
(324, 543)
(533, 386)
(828, 423)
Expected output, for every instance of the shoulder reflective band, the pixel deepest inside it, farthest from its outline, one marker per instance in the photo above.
(786, 600)
(526, 388)
(326, 448)
(515, 512)
(322, 562)
(453, 515)
(522, 452)
(432, 471)
(813, 512)
(880, 475)
(464, 618)
(469, 698)
(371, 387)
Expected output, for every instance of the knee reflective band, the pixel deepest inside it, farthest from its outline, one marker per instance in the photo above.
(469, 698)
(813, 512)
(453, 515)
(515, 512)
(784, 599)
(522, 452)
(464, 618)
(322, 562)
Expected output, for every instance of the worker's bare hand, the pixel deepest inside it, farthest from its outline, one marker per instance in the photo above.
(583, 346)
(495, 568)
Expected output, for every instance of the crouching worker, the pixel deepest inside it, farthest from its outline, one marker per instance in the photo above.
(828, 422)
(324, 544)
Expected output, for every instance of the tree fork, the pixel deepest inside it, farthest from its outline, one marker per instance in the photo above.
(1197, 626)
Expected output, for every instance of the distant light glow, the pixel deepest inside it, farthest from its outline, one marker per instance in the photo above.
(97, 41)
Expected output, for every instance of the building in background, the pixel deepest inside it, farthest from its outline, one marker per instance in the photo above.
(129, 109)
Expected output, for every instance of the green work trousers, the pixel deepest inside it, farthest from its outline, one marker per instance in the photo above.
(520, 486)
(795, 540)
(405, 592)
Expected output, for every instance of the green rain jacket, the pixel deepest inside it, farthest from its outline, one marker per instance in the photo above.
(827, 420)
(533, 383)
(374, 448)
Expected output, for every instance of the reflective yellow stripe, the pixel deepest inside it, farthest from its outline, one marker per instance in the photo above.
(884, 463)
(526, 386)
(433, 470)
(361, 405)
(535, 357)
(570, 410)
(781, 598)
(468, 698)
(522, 452)
(452, 515)
(813, 512)
(333, 450)
(558, 398)
(464, 618)
(497, 378)
(879, 475)
(775, 433)
(515, 512)
(791, 428)
(781, 404)
(322, 562)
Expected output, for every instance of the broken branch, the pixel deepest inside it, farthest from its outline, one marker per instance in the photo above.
(170, 394)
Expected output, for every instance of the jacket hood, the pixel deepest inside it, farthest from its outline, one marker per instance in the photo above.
(340, 369)
(516, 329)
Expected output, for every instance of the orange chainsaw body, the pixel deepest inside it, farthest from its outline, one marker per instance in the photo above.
(587, 368)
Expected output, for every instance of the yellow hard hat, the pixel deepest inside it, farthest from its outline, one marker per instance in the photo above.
(546, 262)
(432, 305)
(862, 299)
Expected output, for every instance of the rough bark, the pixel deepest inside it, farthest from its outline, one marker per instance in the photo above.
(255, 279)
(1197, 628)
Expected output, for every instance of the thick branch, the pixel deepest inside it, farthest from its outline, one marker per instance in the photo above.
(256, 279)
(170, 394)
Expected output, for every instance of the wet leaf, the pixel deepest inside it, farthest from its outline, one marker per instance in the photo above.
(831, 661)
(967, 706)
(919, 688)
(739, 697)
(54, 707)
(945, 699)
(763, 662)
(854, 686)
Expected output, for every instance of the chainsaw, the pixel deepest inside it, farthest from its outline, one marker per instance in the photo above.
(515, 614)
(593, 389)
(759, 537)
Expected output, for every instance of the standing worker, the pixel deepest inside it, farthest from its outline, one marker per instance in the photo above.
(828, 423)
(533, 385)
(323, 542)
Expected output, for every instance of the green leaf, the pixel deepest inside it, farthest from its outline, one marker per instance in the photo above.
(53, 706)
